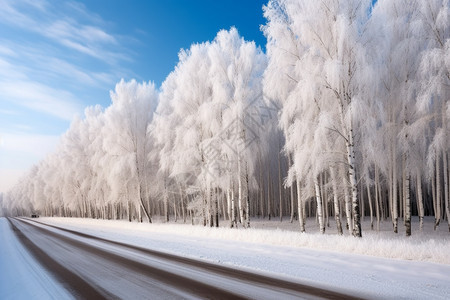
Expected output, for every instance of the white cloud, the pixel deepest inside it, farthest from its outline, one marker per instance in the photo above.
(9, 14)
(95, 34)
(39, 97)
(6, 51)
(27, 62)
(64, 28)
(73, 72)
(18, 84)
(8, 70)
(55, 57)
(50, 74)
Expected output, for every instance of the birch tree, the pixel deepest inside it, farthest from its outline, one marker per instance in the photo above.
(435, 90)
(236, 71)
(179, 129)
(126, 139)
(323, 39)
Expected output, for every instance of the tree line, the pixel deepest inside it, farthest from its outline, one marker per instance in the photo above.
(344, 114)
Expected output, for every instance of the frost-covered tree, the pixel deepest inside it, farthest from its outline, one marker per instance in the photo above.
(127, 143)
(203, 111)
(236, 73)
(434, 76)
(318, 51)
(399, 32)
(178, 129)
(359, 91)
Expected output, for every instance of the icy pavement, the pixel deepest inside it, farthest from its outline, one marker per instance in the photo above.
(21, 277)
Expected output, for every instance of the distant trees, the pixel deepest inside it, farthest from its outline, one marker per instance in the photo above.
(345, 116)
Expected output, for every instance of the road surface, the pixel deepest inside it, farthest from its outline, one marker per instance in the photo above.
(95, 268)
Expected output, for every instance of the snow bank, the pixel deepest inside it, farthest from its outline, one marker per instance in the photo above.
(428, 246)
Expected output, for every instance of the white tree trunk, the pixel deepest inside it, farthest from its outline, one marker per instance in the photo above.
(377, 198)
(139, 213)
(140, 190)
(210, 208)
(233, 209)
(323, 179)
(280, 192)
(175, 210)
(369, 196)
(353, 185)
(269, 195)
(216, 207)
(292, 192)
(240, 192)
(300, 208)
(336, 201)
(446, 189)
(394, 194)
(247, 199)
(229, 206)
(224, 209)
(348, 212)
(433, 190)
(182, 203)
(420, 207)
(166, 206)
(437, 213)
(407, 195)
(319, 205)
(261, 188)
(128, 211)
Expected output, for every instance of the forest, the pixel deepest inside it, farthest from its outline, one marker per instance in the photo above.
(342, 115)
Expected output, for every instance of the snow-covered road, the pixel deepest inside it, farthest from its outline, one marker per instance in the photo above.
(95, 268)
(21, 276)
(359, 275)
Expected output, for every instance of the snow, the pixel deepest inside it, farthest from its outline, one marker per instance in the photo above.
(21, 277)
(381, 265)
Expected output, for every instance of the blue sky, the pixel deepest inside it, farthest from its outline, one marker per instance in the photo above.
(57, 57)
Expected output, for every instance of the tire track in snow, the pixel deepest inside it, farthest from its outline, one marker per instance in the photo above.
(143, 271)
(71, 281)
(291, 289)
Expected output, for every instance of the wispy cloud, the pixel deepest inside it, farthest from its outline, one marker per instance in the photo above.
(63, 27)
(59, 103)
(53, 55)
(77, 74)
(28, 62)
(6, 51)
(12, 71)
(49, 71)
(17, 86)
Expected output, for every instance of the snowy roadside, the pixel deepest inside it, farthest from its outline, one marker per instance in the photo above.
(328, 260)
(21, 277)
(427, 246)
